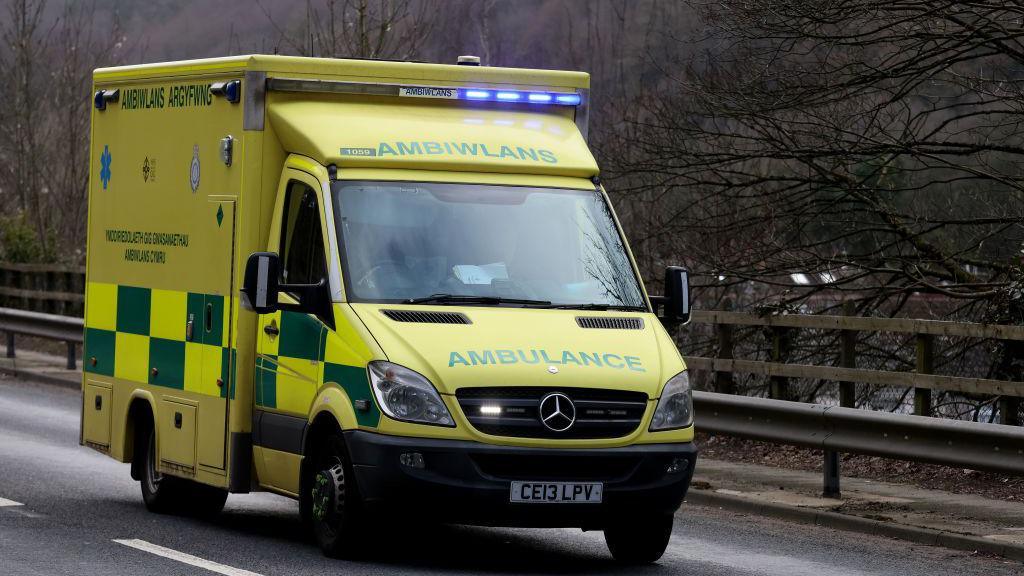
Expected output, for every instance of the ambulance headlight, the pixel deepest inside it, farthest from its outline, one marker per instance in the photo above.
(675, 408)
(406, 395)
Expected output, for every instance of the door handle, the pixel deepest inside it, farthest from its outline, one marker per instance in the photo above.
(271, 330)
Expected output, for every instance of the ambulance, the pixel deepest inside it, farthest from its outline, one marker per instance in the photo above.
(395, 292)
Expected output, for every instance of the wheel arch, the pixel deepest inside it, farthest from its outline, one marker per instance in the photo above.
(141, 404)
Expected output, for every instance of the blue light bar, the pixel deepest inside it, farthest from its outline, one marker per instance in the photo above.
(479, 94)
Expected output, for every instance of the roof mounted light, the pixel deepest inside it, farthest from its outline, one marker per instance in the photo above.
(231, 90)
(481, 94)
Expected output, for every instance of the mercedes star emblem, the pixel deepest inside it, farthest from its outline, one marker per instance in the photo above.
(557, 412)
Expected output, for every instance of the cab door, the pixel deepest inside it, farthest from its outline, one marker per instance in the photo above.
(291, 344)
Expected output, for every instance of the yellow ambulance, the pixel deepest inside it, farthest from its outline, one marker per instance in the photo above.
(393, 291)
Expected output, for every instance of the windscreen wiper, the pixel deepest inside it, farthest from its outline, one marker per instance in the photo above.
(469, 299)
(595, 306)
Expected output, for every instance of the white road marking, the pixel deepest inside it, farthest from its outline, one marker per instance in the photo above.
(185, 558)
(6, 502)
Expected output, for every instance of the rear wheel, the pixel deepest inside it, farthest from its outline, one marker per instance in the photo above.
(640, 540)
(335, 512)
(167, 494)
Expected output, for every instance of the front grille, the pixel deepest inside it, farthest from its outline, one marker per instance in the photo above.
(605, 468)
(599, 413)
(427, 317)
(610, 323)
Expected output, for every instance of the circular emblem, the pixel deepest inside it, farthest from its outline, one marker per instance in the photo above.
(193, 173)
(552, 370)
(557, 412)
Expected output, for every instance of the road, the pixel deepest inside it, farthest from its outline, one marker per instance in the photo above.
(64, 509)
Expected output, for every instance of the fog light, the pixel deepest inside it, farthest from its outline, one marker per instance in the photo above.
(412, 460)
(677, 465)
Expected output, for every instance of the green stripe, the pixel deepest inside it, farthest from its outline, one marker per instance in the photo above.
(227, 372)
(133, 310)
(266, 382)
(168, 357)
(353, 380)
(99, 344)
(302, 336)
(215, 336)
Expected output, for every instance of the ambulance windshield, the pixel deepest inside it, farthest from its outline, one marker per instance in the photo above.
(482, 244)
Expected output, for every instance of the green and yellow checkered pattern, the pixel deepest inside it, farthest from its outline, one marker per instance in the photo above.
(140, 335)
(292, 368)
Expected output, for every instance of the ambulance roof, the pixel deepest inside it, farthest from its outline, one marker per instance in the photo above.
(353, 70)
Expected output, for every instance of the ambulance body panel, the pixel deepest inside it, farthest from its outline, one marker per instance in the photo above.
(374, 188)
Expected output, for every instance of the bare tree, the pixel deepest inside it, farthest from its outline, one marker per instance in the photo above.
(865, 146)
(20, 140)
(385, 29)
(802, 153)
(77, 47)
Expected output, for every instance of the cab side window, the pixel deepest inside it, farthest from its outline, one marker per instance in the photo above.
(302, 242)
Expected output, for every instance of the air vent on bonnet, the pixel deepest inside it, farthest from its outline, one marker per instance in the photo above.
(427, 317)
(610, 323)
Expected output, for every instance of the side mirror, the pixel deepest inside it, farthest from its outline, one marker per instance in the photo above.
(260, 290)
(675, 304)
(259, 287)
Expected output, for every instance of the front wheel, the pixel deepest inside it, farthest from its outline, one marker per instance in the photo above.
(334, 508)
(640, 540)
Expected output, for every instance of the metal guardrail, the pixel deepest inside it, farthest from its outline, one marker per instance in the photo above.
(52, 326)
(988, 447)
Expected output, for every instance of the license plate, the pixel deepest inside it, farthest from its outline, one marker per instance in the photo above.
(557, 492)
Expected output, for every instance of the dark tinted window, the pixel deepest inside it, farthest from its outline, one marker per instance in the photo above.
(302, 243)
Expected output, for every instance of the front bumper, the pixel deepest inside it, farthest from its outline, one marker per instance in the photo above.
(469, 482)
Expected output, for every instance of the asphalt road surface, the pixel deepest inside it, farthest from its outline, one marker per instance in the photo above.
(65, 509)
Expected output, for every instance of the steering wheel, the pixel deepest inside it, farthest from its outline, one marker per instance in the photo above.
(367, 279)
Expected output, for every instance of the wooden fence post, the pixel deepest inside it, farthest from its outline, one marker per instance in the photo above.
(779, 385)
(724, 383)
(1009, 410)
(18, 281)
(925, 365)
(4, 283)
(723, 380)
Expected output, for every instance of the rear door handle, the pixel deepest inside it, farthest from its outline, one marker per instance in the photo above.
(271, 330)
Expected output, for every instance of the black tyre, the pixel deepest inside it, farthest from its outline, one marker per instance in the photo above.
(332, 501)
(639, 540)
(167, 494)
(203, 500)
(162, 494)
